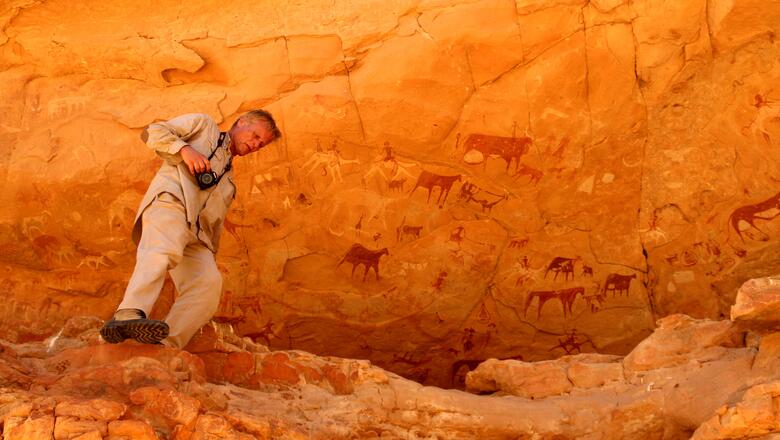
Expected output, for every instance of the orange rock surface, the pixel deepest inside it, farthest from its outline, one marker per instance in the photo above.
(692, 378)
(547, 177)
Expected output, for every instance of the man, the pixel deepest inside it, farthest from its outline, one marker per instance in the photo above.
(179, 222)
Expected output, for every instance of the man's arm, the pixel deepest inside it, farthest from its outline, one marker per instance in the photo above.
(169, 140)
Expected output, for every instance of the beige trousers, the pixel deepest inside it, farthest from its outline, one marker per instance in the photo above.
(168, 244)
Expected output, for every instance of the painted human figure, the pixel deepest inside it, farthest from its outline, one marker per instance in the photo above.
(179, 223)
(391, 171)
(766, 111)
(329, 161)
(570, 343)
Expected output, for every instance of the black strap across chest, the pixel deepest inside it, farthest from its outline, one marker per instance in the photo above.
(220, 143)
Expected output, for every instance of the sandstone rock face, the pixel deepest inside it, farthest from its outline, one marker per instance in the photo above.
(547, 177)
(707, 381)
(756, 303)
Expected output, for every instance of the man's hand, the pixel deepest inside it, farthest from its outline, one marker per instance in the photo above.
(196, 162)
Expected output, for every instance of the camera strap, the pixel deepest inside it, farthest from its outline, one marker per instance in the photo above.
(222, 136)
(220, 142)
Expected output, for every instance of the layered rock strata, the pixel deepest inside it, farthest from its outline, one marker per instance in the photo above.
(694, 378)
(457, 181)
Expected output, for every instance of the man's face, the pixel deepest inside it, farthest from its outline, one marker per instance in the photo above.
(249, 136)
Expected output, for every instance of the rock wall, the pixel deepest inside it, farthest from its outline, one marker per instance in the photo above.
(457, 180)
(691, 378)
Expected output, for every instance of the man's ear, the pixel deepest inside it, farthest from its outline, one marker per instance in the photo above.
(242, 122)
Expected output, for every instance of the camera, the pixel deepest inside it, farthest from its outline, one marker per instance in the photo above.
(207, 179)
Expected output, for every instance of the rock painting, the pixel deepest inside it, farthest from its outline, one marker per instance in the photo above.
(766, 110)
(571, 343)
(561, 265)
(121, 210)
(518, 242)
(94, 262)
(33, 226)
(534, 175)
(387, 170)
(431, 181)
(748, 215)
(266, 183)
(358, 254)
(618, 284)
(567, 179)
(404, 230)
(438, 283)
(565, 296)
(328, 162)
(469, 193)
(507, 148)
(232, 229)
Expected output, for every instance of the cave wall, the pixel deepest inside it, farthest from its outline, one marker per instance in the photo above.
(546, 176)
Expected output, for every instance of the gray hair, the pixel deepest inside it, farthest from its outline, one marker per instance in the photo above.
(261, 115)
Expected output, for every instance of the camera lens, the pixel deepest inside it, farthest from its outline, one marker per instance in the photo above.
(206, 178)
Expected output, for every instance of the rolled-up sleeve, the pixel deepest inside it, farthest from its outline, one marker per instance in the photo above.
(168, 137)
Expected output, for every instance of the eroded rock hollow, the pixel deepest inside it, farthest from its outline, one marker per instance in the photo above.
(457, 181)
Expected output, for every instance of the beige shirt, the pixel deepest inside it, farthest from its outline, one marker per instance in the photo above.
(206, 209)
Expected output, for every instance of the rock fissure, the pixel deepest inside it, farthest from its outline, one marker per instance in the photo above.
(587, 74)
(528, 61)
